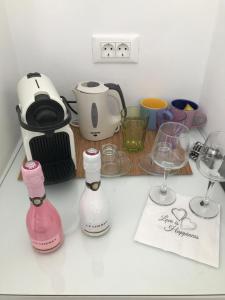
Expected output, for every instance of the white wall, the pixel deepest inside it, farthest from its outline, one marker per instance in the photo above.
(213, 93)
(54, 37)
(9, 130)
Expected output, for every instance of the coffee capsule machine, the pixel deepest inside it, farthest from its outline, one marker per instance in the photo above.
(44, 119)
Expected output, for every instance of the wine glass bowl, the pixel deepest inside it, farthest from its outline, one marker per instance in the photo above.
(170, 152)
(211, 164)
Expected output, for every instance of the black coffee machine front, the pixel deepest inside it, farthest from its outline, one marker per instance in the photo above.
(44, 119)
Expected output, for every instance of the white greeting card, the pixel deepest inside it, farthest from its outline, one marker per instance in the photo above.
(176, 229)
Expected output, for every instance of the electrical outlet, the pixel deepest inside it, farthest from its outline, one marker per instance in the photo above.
(108, 49)
(121, 48)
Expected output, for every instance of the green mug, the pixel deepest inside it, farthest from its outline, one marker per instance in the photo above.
(133, 124)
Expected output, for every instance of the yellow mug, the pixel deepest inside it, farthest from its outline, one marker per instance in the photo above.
(156, 110)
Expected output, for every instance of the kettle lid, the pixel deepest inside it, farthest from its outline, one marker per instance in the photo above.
(92, 87)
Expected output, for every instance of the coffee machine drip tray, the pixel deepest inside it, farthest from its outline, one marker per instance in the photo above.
(58, 171)
(53, 150)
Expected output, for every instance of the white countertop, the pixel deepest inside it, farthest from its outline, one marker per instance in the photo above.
(109, 265)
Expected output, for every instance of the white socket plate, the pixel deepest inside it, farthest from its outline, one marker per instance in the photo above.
(131, 40)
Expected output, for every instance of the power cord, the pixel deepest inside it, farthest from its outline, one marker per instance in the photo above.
(68, 103)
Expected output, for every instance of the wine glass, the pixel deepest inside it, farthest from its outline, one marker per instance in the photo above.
(146, 163)
(211, 164)
(170, 152)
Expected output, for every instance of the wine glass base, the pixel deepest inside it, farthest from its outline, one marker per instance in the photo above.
(207, 211)
(160, 198)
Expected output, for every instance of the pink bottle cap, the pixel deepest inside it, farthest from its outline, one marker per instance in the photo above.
(33, 178)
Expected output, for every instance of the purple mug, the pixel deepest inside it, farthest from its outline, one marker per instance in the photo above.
(194, 116)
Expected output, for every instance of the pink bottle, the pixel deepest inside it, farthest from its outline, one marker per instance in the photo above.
(43, 221)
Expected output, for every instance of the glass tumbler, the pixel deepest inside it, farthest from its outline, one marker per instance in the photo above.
(110, 160)
(133, 126)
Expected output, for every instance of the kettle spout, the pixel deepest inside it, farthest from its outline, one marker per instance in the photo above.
(74, 91)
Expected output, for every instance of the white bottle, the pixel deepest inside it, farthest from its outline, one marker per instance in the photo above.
(94, 209)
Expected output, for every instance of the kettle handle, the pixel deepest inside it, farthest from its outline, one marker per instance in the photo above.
(117, 88)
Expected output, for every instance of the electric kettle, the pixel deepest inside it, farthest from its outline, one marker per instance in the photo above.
(99, 106)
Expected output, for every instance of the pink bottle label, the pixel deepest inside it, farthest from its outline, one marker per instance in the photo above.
(47, 244)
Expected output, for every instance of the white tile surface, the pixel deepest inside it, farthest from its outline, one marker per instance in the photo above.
(110, 265)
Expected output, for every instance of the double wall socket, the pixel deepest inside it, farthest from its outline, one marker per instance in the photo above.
(122, 48)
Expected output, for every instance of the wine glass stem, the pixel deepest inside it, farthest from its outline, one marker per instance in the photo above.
(163, 188)
(205, 202)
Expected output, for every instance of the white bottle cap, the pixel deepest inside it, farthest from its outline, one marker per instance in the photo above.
(92, 159)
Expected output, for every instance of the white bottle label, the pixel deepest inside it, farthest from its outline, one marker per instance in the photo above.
(97, 228)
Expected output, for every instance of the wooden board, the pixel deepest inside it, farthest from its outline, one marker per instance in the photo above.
(82, 144)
